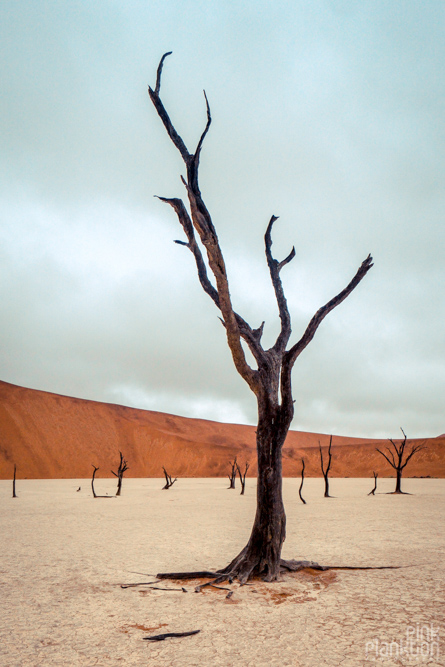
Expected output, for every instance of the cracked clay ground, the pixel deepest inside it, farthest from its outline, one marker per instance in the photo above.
(63, 556)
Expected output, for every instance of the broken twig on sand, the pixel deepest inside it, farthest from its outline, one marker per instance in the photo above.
(160, 638)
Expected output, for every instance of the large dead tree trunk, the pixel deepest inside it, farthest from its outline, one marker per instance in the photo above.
(270, 381)
(123, 466)
(395, 455)
(328, 467)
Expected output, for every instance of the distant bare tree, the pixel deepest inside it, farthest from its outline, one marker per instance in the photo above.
(92, 480)
(301, 485)
(168, 480)
(242, 477)
(123, 466)
(372, 492)
(395, 457)
(328, 467)
(232, 476)
(14, 495)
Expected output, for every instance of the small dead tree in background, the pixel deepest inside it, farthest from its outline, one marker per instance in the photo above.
(242, 478)
(123, 466)
(396, 461)
(168, 480)
(92, 480)
(14, 495)
(232, 476)
(328, 467)
(301, 485)
(372, 492)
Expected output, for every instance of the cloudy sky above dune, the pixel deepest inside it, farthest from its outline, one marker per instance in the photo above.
(328, 114)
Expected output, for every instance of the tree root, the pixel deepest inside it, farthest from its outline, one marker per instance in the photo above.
(242, 571)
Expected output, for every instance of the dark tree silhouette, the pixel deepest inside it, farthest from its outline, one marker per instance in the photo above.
(242, 477)
(328, 467)
(372, 492)
(232, 476)
(270, 381)
(123, 466)
(92, 484)
(302, 481)
(92, 480)
(168, 480)
(395, 458)
(14, 495)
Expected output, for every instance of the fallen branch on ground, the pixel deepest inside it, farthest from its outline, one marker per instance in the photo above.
(160, 638)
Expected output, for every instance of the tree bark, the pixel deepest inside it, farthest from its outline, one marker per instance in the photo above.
(398, 481)
(262, 554)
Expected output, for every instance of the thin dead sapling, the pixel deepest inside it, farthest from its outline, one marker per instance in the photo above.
(168, 480)
(123, 466)
(232, 476)
(372, 492)
(242, 477)
(302, 481)
(328, 467)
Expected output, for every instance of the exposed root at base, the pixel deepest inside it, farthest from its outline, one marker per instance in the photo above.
(242, 573)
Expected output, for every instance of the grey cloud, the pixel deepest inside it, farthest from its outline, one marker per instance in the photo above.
(328, 115)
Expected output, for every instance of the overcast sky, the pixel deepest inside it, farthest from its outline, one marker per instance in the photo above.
(329, 114)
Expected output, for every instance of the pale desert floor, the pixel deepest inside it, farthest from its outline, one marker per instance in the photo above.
(64, 556)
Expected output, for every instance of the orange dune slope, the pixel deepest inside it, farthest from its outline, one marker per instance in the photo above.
(51, 436)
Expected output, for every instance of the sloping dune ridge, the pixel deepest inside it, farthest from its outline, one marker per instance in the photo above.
(51, 436)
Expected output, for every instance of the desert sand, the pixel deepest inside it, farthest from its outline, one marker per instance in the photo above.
(64, 556)
(49, 436)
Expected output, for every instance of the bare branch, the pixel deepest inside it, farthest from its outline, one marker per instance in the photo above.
(315, 322)
(163, 115)
(274, 269)
(159, 72)
(415, 449)
(206, 129)
(393, 465)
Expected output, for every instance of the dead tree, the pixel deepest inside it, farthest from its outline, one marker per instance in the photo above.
(395, 457)
(92, 484)
(168, 480)
(242, 477)
(92, 480)
(123, 466)
(14, 495)
(372, 492)
(270, 380)
(232, 476)
(328, 467)
(301, 485)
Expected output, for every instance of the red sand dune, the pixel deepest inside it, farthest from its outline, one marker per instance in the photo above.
(52, 436)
